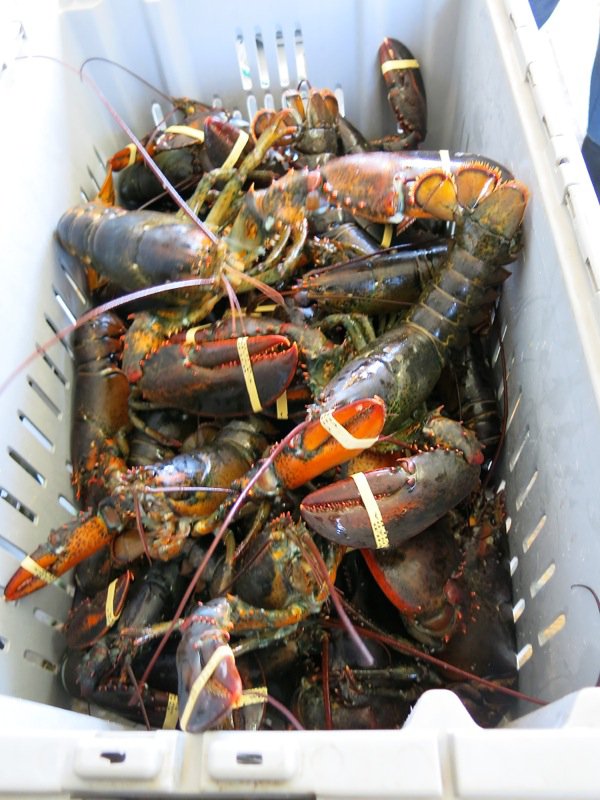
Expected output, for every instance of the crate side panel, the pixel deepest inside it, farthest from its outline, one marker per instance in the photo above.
(551, 335)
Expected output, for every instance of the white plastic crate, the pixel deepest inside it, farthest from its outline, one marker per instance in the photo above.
(491, 89)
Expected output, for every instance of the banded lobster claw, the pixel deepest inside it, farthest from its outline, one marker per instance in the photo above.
(400, 501)
(94, 616)
(58, 554)
(329, 440)
(209, 682)
(221, 378)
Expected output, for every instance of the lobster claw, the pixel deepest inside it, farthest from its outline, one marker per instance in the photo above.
(95, 616)
(208, 679)
(410, 496)
(65, 548)
(316, 449)
(219, 378)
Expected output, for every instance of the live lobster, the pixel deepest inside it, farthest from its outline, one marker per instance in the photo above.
(391, 377)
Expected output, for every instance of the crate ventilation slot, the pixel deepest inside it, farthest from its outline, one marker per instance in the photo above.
(36, 432)
(261, 60)
(83, 195)
(40, 661)
(530, 539)
(522, 496)
(282, 66)
(64, 306)
(49, 403)
(244, 64)
(58, 373)
(3, 643)
(67, 505)
(74, 286)
(17, 505)
(265, 80)
(518, 610)
(93, 178)
(516, 455)
(514, 563)
(9, 547)
(56, 330)
(551, 630)
(514, 409)
(45, 618)
(37, 476)
(539, 584)
(524, 655)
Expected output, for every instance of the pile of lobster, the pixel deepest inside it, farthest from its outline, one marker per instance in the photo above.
(355, 559)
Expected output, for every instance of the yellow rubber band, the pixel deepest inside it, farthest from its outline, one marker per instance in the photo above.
(203, 678)
(387, 235)
(251, 697)
(445, 159)
(185, 130)
(132, 154)
(399, 63)
(372, 509)
(282, 406)
(190, 334)
(109, 606)
(172, 713)
(34, 568)
(265, 309)
(236, 151)
(242, 348)
(341, 435)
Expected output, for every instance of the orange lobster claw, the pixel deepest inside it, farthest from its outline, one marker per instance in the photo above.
(316, 450)
(65, 547)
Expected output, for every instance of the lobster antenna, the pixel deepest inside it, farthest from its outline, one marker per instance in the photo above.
(88, 316)
(133, 74)
(410, 650)
(284, 712)
(339, 607)
(325, 681)
(166, 184)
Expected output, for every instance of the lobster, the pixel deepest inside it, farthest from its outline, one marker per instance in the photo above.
(136, 249)
(170, 519)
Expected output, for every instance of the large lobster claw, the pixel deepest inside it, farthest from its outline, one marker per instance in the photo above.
(65, 548)
(222, 378)
(397, 502)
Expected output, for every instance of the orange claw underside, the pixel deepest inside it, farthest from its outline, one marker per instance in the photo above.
(317, 450)
(66, 547)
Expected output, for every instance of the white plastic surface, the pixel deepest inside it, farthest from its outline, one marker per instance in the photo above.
(490, 90)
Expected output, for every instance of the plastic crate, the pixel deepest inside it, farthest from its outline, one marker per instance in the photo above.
(491, 89)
